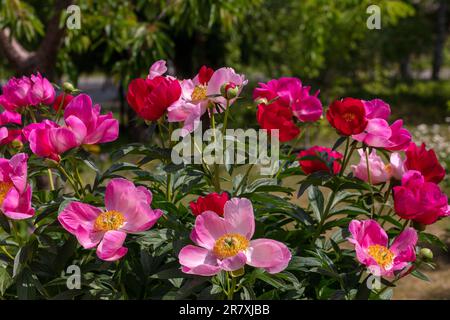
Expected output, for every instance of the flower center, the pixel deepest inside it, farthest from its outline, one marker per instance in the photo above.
(388, 168)
(4, 189)
(230, 245)
(109, 220)
(382, 255)
(199, 93)
(348, 116)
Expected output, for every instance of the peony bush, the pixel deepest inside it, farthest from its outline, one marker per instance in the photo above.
(343, 221)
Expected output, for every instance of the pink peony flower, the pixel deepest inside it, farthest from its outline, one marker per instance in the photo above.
(86, 122)
(47, 139)
(199, 92)
(15, 192)
(16, 93)
(419, 200)
(127, 211)
(7, 135)
(378, 133)
(373, 250)
(225, 243)
(291, 93)
(379, 171)
(41, 91)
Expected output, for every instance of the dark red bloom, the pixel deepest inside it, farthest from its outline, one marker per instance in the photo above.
(277, 116)
(347, 116)
(204, 75)
(150, 98)
(59, 100)
(425, 161)
(211, 202)
(325, 155)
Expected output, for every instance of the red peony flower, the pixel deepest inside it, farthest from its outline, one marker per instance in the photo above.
(276, 116)
(424, 161)
(326, 154)
(347, 116)
(59, 99)
(211, 202)
(150, 98)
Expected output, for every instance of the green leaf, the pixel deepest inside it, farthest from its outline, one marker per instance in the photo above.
(5, 280)
(316, 201)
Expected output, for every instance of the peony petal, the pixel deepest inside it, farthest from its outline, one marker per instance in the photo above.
(233, 263)
(208, 228)
(77, 214)
(273, 256)
(239, 217)
(196, 260)
(110, 248)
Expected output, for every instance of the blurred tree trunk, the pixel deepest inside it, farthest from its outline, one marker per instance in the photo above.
(441, 35)
(405, 68)
(44, 58)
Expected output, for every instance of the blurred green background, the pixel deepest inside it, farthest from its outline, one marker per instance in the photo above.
(326, 43)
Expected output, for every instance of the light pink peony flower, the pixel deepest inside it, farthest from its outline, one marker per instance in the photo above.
(47, 139)
(86, 122)
(157, 69)
(378, 133)
(419, 200)
(41, 90)
(373, 250)
(127, 211)
(8, 135)
(15, 192)
(199, 92)
(379, 171)
(291, 93)
(225, 243)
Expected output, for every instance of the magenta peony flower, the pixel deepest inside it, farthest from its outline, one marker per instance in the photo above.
(379, 171)
(15, 192)
(16, 93)
(86, 122)
(47, 139)
(291, 93)
(373, 250)
(199, 92)
(419, 200)
(127, 211)
(378, 133)
(7, 135)
(225, 243)
(41, 91)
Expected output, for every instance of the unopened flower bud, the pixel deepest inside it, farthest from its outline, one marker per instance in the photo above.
(229, 90)
(261, 100)
(17, 144)
(426, 254)
(68, 87)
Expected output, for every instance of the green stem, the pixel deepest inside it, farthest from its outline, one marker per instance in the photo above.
(244, 178)
(50, 179)
(160, 129)
(325, 215)
(169, 187)
(69, 178)
(369, 178)
(300, 135)
(347, 144)
(216, 166)
(231, 288)
(225, 119)
(7, 252)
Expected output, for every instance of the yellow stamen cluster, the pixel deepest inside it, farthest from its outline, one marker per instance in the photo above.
(109, 220)
(230, 245)
(4, 189)
(199, 93)
(348, 116)
(382, 255)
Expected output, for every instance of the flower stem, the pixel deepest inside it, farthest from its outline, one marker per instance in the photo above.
(69, 178)
(231, 288)
(50, 179)
(300, 135)
(369, 179)
(7, 252)
(216, 166)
